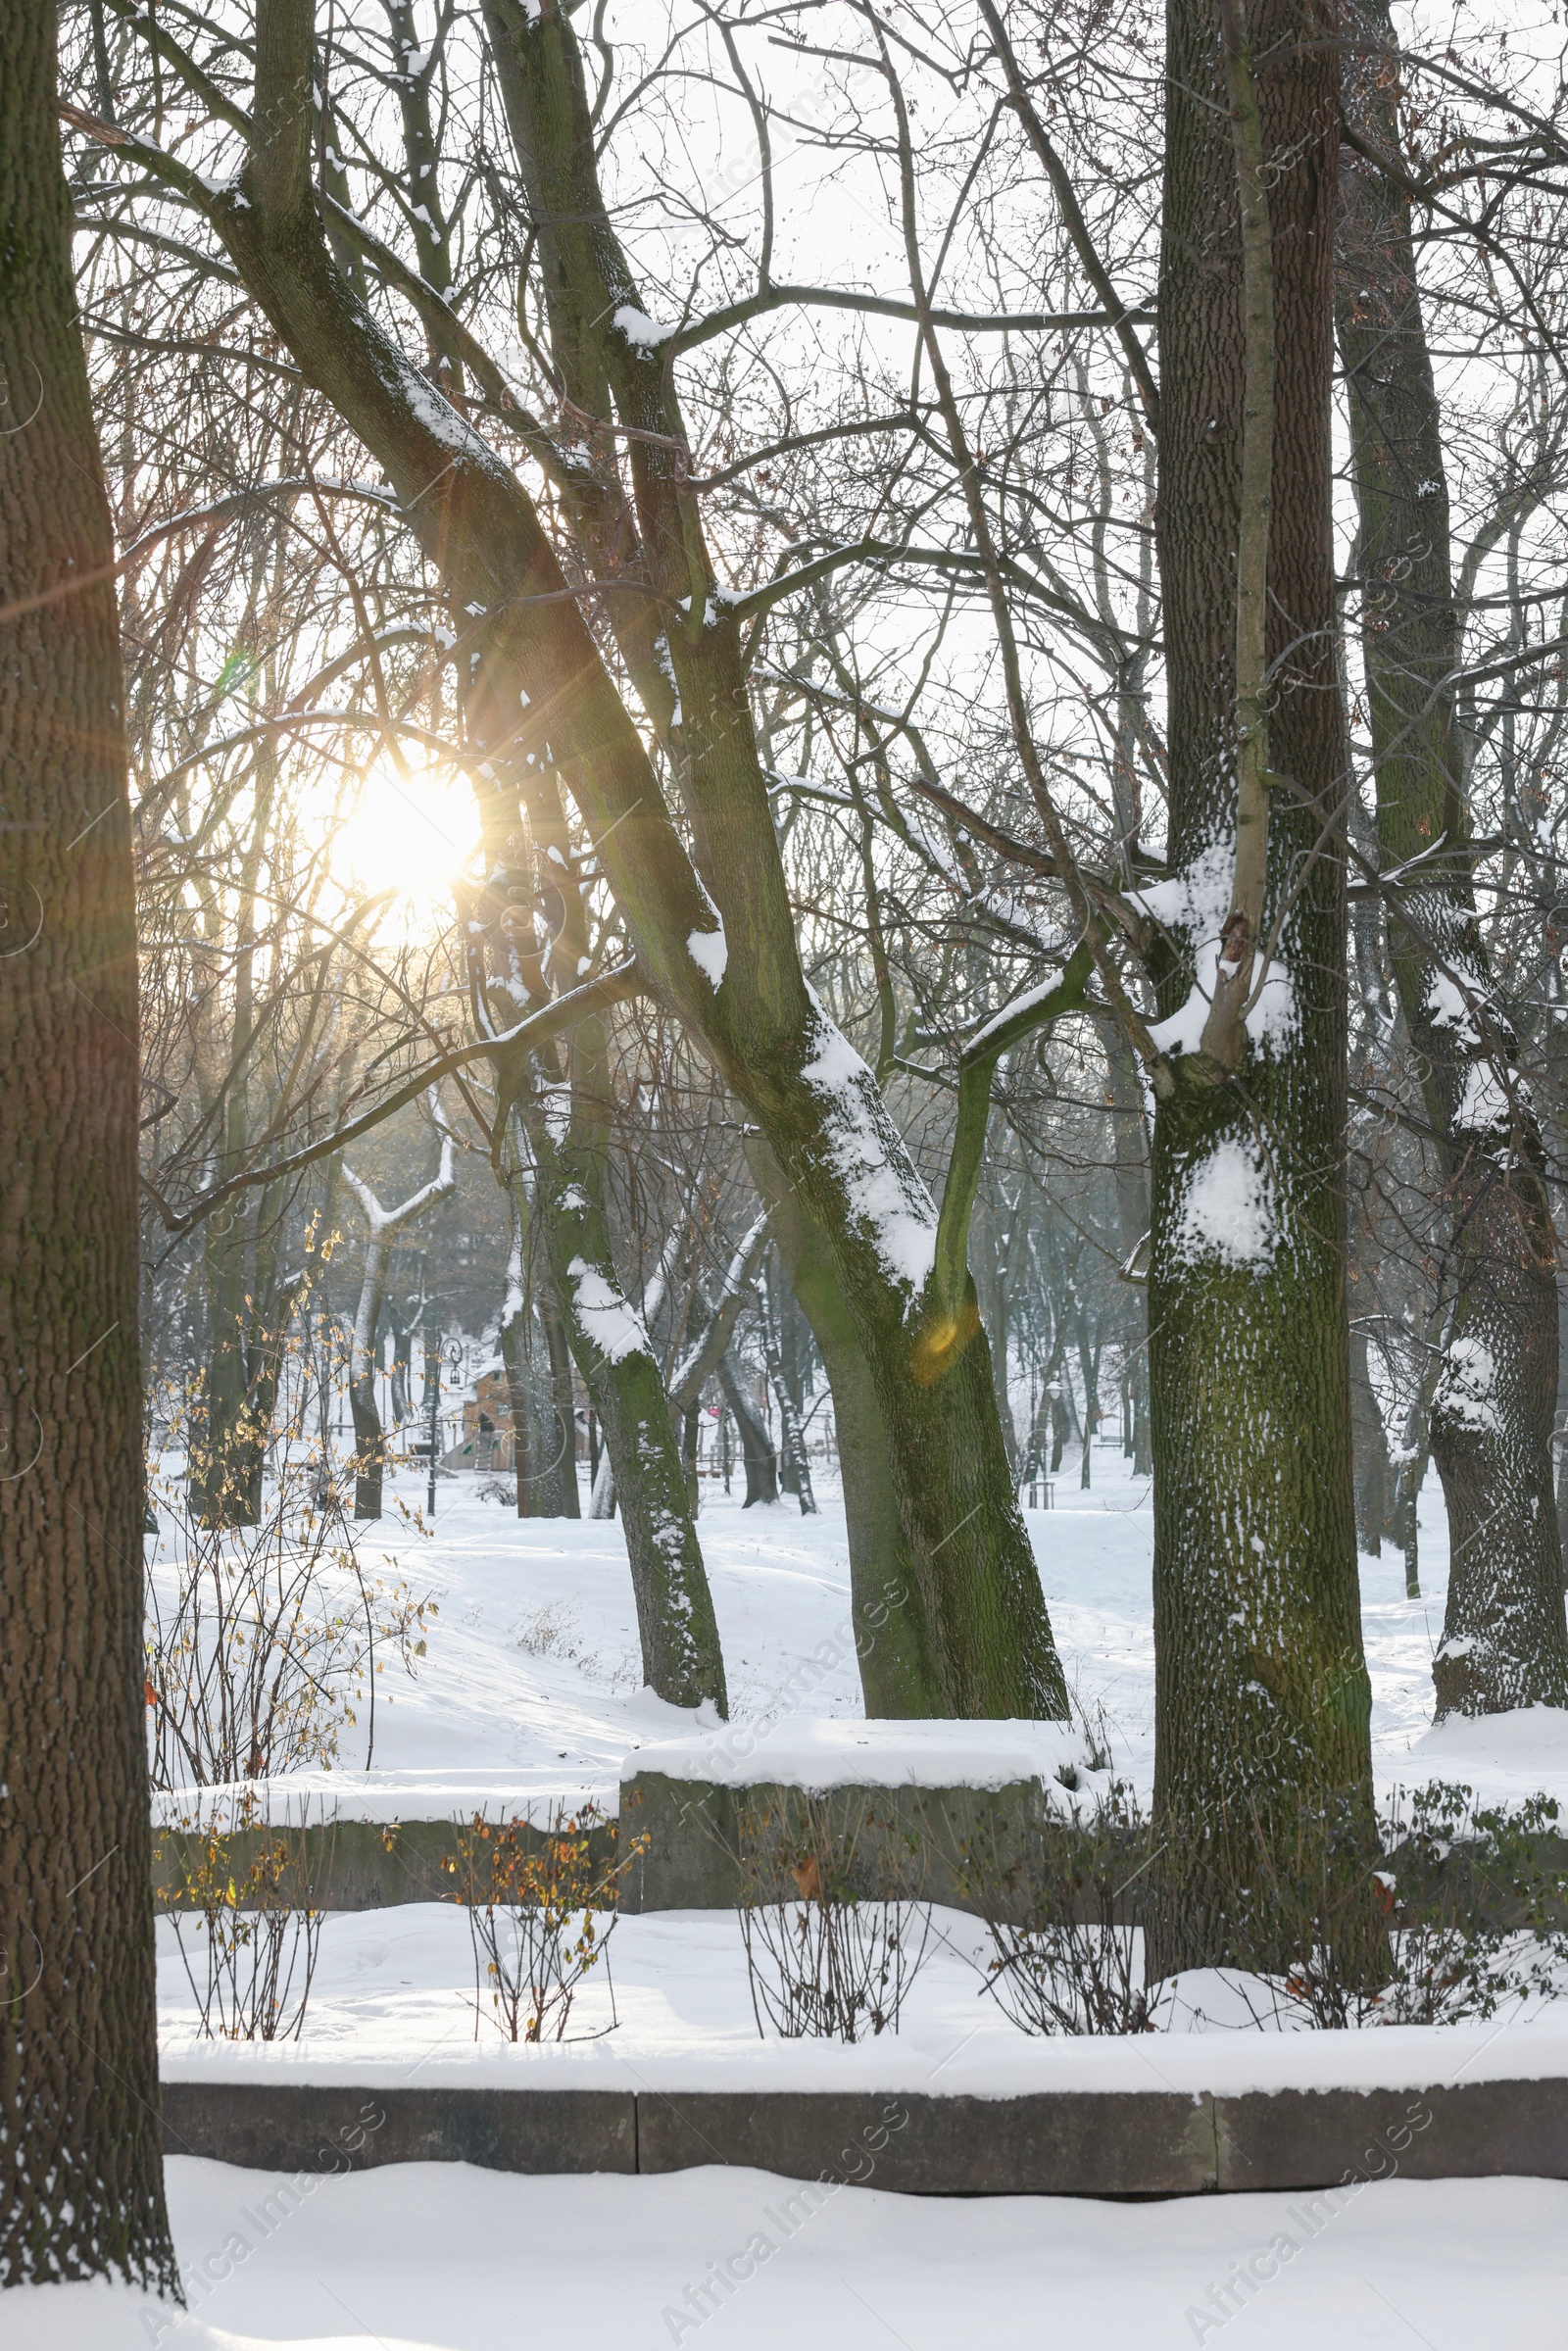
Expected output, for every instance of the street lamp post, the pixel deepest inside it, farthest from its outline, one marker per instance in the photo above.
(454, 1360)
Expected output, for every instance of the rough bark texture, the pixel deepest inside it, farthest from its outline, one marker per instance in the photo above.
(1263, 1700)
(1505, 1636)
(81, 2193)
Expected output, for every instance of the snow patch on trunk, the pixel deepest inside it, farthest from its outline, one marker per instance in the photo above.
(1194, 904)
(1467, 1386)
(610, 1320)
(710, 951)
(641, 332)
(888, 1201)
(1228, 1211)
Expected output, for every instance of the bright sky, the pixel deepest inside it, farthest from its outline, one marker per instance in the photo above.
(411, 833)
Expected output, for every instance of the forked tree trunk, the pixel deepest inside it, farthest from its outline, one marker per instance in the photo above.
(81, 2191)
(1505, 1634)
(383, 1230)
(741, 988)
(1262, 1705)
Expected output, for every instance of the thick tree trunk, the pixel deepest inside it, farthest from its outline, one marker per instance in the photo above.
(1505, 1634)
(1263, 1702)
(81, 2191)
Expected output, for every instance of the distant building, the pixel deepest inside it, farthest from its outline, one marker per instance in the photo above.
(488, 1442)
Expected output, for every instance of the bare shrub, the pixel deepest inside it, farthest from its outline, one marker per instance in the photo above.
(1473, 1901)
(1439, 1913)
(249, 1951)
(1064, 1913)
(836, 1963)
(263, 1642)
(540, 1912)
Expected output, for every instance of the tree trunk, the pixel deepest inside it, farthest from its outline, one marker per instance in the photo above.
(757, 1453)
(82, 2193)
(680, 1632)
(892, 1632)
(1505, 1634)
(397, 1322)
(530, 1459)
(794, 1468)
(1374, 1472)
(1262, 1699)
(369, 1443)
(743, 990)
(383, 1226)
(561, 1419)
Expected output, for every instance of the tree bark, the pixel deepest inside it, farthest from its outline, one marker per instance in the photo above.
(757, 1453)
(1506, 1634)
(1263, 1697)
(82, 2193)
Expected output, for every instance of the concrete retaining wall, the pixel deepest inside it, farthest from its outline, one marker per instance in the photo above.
(1069, 2143)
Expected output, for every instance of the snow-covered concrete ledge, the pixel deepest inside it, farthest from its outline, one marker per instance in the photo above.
(929, 1790)
(373, 1841)
(1064, 2141)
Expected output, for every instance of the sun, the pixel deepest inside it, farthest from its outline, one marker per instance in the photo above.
(411, 834)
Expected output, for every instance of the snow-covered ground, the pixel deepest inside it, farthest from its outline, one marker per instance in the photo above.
(394, 2003)
(530, 1693)
(424, 2257)
(532, 1677)
(529, 1696)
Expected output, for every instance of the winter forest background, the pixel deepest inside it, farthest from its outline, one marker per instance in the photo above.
(846, 732)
